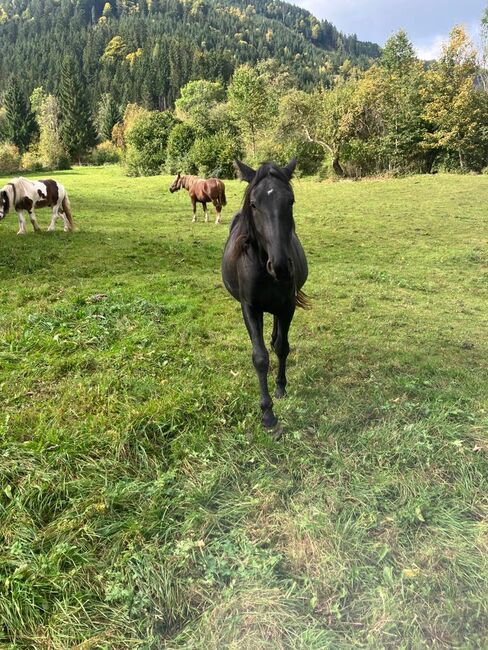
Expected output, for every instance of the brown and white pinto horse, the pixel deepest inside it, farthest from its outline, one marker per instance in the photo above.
(22, 194)
(201, 190)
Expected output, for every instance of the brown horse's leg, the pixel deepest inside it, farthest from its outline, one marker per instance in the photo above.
(260, 358)
(204, 203)
(194, 206)
(282, 349)
(218, 210)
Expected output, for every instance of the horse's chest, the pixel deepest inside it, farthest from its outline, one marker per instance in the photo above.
(271, 296)
(24, 203)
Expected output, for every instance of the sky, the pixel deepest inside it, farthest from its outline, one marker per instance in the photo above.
(427, 22)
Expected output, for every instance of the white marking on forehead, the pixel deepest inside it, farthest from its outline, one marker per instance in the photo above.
(270, 191)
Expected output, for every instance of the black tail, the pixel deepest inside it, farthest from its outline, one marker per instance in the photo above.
(302, 300)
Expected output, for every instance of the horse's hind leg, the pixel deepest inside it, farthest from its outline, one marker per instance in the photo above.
(67, 226)
(218, 210)
(205, 211)
(282, 349)
(260, 358)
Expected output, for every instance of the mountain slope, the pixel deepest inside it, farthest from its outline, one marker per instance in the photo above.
(145, 50)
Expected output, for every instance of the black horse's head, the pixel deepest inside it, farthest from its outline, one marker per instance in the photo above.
(176, 185)
(4, 204)
(268, 203)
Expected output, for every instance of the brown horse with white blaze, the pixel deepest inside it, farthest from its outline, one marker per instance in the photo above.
(202, 190)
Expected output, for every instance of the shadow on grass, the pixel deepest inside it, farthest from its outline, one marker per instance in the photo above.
(84, 254)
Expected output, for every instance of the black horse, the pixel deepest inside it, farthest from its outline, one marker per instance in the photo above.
(264, 267)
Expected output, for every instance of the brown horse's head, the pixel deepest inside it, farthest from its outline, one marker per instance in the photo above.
(176, 185)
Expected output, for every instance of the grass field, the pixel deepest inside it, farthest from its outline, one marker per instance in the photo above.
(142, 506)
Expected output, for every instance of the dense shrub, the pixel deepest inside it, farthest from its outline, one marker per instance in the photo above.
(180, 142)
(214, 155)
(31, 160)
(105, 153)
(146, 143)
(9, 158)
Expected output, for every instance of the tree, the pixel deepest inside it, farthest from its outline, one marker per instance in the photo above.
(398, 54)
(391, 104)
(456, 109)
(77, 130)
(326, 117)
(180, 142)
(147, 140)
(196, 103)
(248, 103)
(46, 109)
(108, 115)
(20, 125)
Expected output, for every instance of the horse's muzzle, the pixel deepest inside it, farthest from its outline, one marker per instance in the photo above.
(281, 271)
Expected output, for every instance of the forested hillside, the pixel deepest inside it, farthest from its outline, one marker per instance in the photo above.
(144, 51)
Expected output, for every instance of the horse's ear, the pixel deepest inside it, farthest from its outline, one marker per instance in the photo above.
(290, 168)
(246, 173)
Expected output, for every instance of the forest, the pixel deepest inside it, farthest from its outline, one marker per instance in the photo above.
(166, 86)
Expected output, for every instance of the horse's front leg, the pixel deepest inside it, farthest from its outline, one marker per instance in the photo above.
(205, 211)
(282, 348)
(33, 221)
(194, 207)
(54, 218)
(22, 225)
(260, 358)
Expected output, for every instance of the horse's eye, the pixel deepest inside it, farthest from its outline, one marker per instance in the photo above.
(253, 205)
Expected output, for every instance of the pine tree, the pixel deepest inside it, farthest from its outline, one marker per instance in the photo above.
(20, 123)
(108, 116)
(77, 130)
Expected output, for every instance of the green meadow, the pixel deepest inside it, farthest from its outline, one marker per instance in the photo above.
(141, 504)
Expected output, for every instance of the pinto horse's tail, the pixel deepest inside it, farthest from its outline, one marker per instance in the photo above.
(67, 211)
(302, 300)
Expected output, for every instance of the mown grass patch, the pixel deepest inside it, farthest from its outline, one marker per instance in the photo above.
(141, 505)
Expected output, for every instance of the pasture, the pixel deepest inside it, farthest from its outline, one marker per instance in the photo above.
(141, 504)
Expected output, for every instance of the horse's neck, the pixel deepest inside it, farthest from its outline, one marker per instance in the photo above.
(188, 182)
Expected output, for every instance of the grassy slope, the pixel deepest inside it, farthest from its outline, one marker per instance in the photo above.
(140, 504)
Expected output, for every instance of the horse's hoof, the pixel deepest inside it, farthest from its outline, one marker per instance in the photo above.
(277, 432)
(22, 232)
(280, 392)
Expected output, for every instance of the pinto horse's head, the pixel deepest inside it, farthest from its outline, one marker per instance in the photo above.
(269, 204)
(176, 185)
(4, 204)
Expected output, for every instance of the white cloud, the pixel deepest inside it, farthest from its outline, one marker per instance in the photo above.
(429, 50)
